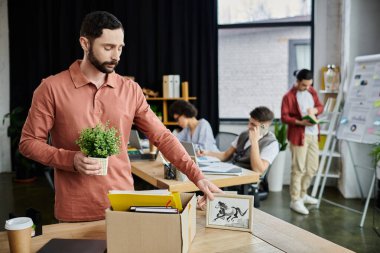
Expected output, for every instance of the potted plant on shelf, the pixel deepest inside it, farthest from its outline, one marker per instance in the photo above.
(276, 172)
(99, 143)
(156, 111)
(23, 167)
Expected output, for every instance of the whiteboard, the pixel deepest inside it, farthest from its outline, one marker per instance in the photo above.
(360, 121)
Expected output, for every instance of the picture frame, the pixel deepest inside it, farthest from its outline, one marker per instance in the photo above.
(229, 211)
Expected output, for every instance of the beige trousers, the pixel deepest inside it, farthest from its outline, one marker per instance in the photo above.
(305, 162)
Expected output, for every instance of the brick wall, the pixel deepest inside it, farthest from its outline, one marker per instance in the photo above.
(253, 68)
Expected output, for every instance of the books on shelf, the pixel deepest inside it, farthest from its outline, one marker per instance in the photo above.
(171, 86)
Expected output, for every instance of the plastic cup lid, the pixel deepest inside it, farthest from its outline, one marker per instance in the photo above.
(18, 223)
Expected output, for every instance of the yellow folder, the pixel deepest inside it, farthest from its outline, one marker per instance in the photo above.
(123, 201)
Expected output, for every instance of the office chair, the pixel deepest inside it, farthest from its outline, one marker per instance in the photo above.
(260, 190)
(224, 139)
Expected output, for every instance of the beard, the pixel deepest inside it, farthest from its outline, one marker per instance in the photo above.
(101, 66)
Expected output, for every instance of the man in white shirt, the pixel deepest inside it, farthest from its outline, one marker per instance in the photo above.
(255, 148)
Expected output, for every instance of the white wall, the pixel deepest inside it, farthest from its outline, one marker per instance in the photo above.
(327, 36)
(364, 29)
(5, 160)
(361, 37)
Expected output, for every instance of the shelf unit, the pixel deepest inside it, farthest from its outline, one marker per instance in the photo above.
(165, 116)
(329, 149)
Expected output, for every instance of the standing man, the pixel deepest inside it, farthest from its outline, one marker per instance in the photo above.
(299, 101)
(87, 93)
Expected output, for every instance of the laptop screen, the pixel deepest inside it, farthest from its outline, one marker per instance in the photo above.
(189, 147)
(134, 139)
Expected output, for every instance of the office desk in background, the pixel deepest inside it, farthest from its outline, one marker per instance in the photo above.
(270, 234)
(153, 173)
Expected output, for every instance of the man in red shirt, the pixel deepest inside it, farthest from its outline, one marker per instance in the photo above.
(87, 93)
(299, 101)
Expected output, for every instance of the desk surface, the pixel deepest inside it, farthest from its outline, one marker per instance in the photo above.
(270, 234)
(153, 173)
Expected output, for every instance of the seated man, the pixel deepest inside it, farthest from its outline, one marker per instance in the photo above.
(255, 148)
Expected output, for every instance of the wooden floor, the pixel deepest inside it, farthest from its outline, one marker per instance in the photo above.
(335, 224)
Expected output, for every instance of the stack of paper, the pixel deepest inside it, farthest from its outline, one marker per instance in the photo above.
(221, 168)
(123, 200)
(207, 159)
(153, 209)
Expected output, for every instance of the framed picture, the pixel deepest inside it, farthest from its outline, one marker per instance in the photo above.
(227, 211)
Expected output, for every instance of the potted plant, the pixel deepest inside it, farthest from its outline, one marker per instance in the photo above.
(375, 153)
(156, 111)
(23, 167)
(276, 172)
(99, 143)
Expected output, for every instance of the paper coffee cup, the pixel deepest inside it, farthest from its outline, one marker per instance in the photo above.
(19, 232)
(104, 163)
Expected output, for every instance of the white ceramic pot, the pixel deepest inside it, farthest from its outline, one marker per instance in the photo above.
(104, 163)
(276, 173)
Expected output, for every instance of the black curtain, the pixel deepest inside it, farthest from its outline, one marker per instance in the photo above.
(161, 37)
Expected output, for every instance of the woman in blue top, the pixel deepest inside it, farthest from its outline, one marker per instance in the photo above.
(196, 131)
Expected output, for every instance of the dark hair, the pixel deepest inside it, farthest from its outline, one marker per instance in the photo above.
(303, 74)
(182, 107)
(262, 114)
(94, 23)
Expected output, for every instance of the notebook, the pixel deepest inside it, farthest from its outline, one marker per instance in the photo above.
(222, 168)
(74, 245)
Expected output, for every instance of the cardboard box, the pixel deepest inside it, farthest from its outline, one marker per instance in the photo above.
(152, 232)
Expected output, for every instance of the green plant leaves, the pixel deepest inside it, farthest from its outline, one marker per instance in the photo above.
(100, 141)
(280, 133)
(375, 153)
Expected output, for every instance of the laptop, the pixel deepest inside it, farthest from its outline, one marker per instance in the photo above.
(136, 142)
(136, 155)
(200, 160)
(142, 149)
(213, 167)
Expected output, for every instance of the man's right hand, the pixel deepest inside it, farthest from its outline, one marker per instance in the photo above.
(85, 165)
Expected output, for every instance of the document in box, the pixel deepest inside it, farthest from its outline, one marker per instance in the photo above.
(123, 200)
(154, 209)
(222, 168)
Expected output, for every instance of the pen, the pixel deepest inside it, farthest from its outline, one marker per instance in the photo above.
(163, 160)
(199, 149)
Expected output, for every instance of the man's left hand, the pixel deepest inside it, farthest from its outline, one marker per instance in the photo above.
(208, 189)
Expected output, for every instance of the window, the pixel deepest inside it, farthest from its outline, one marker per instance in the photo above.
(299, 57)
(261, 43)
